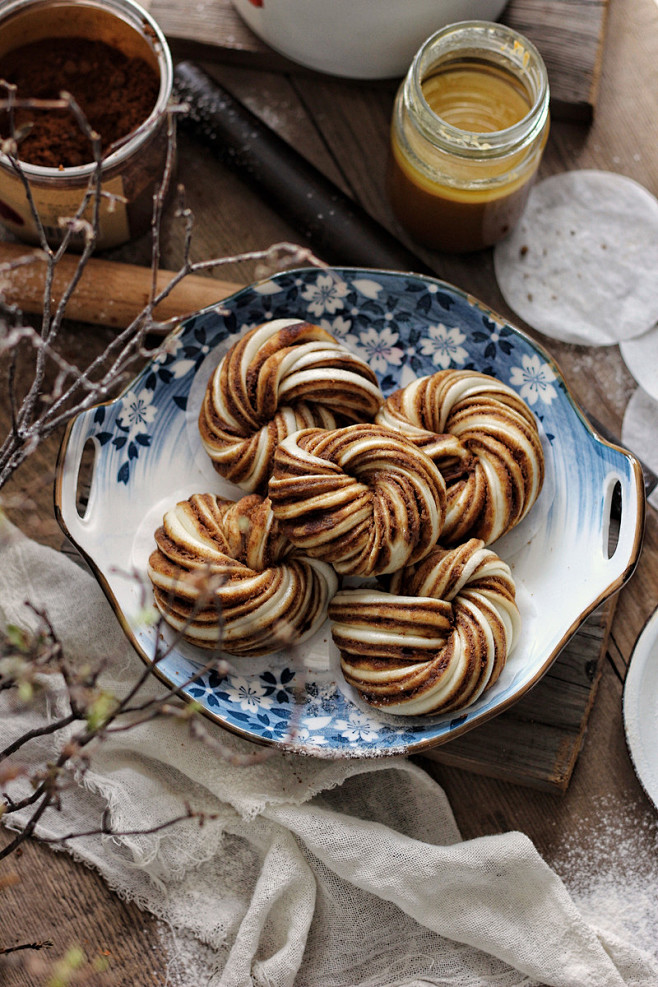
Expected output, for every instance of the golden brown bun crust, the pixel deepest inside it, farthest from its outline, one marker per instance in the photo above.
(362, 498)
(224, 576)
(485, 441)
(280, 377)
(437, 640)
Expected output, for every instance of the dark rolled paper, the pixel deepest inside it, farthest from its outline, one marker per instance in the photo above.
(335, 227)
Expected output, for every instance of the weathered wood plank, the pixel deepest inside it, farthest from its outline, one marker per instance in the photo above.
(570, 36)
(55, 898)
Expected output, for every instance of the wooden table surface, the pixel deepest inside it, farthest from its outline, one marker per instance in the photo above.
(342, 128)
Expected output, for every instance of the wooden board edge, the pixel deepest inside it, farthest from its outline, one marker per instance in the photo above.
(492, 761)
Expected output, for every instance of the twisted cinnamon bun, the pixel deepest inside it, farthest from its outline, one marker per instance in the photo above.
(281, 376)
(362, 498)
(437, 640)
(223, 574)
(485, 441)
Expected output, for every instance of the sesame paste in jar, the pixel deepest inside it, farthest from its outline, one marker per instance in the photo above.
(453, 201)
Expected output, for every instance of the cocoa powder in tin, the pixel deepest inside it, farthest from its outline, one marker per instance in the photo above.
(115, 92)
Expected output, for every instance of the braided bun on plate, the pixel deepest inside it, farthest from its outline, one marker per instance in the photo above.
(484, 439)
(437, 640)
(223, 574)
(363, 498)
(279, 377)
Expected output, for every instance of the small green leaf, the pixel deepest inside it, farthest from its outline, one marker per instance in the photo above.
(192, 709)
(73, 959)
(25, 691)
(18, 637)
(147, 616)
(100, 709)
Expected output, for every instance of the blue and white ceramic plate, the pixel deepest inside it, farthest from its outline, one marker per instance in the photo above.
(148, 456)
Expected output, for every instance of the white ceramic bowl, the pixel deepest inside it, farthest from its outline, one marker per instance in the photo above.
(359, 39)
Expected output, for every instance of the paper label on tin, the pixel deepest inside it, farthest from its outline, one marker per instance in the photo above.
(53, 203)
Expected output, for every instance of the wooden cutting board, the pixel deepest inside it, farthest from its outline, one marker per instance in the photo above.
(568, 33)
(536, 742)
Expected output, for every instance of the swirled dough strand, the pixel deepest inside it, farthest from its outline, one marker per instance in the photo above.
(484, 439)
(280, 377)
(437, 640)
(362, 498)
(223, 575)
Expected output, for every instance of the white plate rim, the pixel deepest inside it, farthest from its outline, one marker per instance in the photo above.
(640, 727)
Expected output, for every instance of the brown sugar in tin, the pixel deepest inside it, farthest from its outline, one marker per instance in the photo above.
(116, 92)
(113, 59)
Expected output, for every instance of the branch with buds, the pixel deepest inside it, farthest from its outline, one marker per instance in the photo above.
(58, 390)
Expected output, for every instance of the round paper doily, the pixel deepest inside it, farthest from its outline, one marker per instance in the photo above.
(581, 264)
(641, 357)
(639, 430)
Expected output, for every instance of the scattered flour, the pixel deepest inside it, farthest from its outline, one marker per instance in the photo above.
(612, 877)
(190, 963)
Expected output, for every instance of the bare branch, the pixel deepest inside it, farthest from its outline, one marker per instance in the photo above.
(201, 817)
(45, 408)
(44, 731)
(44, 944)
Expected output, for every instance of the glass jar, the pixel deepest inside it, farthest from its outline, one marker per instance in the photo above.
(469, 126)
(133, 165)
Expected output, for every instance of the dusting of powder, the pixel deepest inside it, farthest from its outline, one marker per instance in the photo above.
(613, 877)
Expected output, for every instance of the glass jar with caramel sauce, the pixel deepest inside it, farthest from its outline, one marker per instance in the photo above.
(469, 127)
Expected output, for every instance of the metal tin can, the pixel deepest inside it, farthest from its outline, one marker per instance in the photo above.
(469, 127)
(130, 172)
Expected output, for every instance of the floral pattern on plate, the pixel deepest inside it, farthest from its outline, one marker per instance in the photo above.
(404, 326)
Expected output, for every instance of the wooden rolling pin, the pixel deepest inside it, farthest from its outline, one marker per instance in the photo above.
(108, 293)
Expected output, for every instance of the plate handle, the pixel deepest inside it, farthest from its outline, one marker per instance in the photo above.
(625, 502)
(79, 433)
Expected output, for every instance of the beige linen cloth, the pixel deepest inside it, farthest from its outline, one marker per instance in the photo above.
(314, 873)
